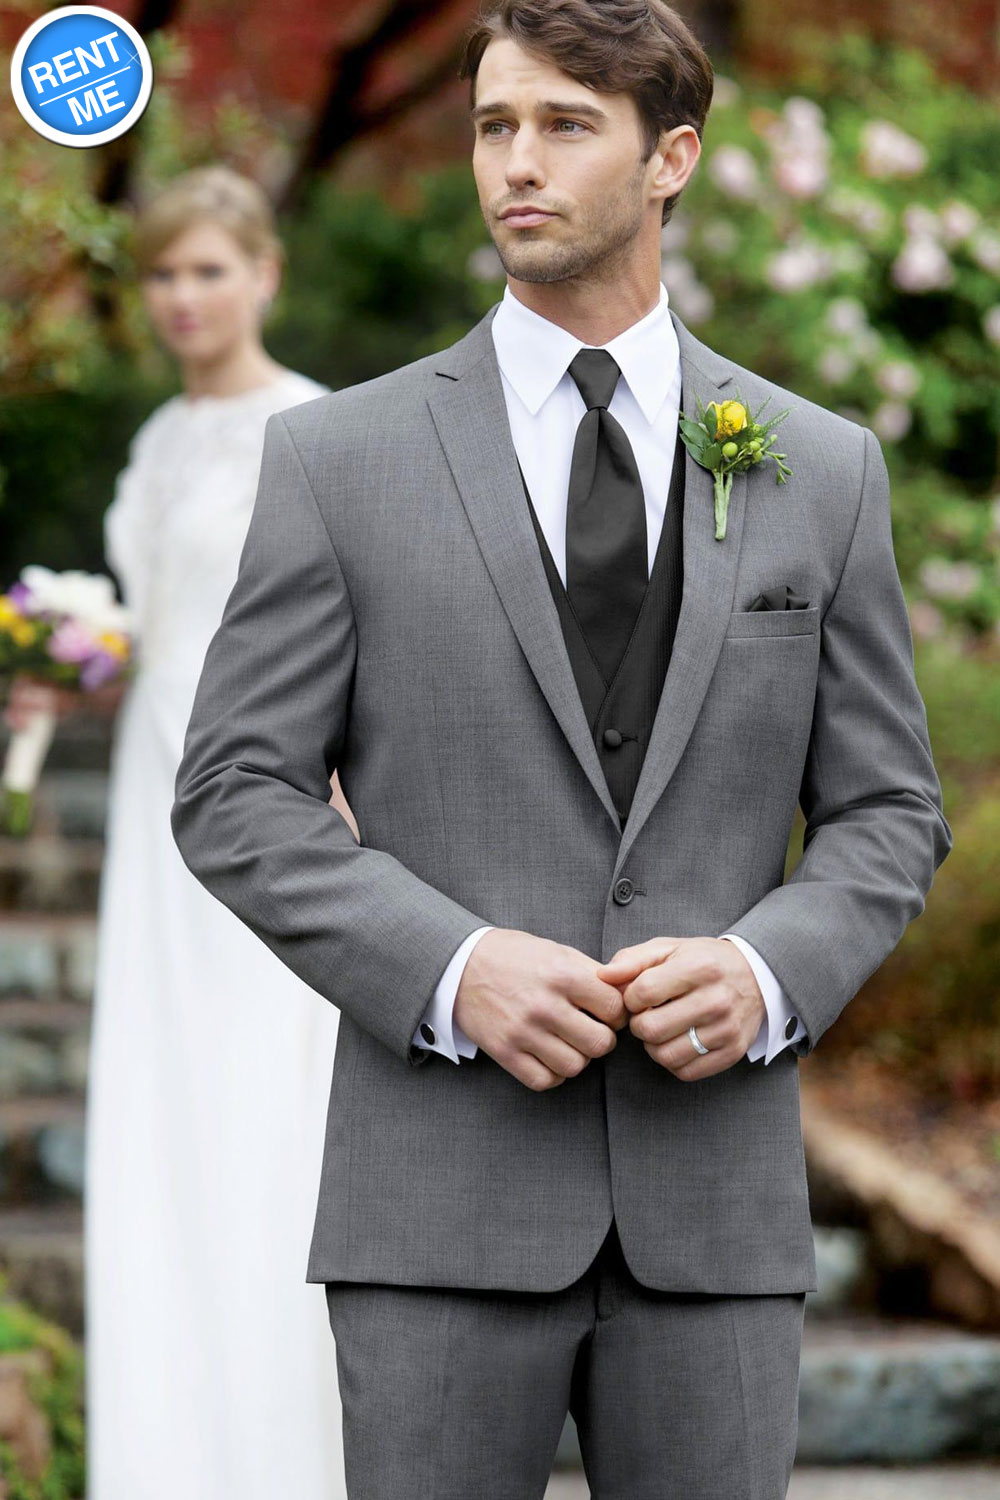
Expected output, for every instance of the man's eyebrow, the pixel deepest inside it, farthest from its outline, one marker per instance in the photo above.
(558, 106)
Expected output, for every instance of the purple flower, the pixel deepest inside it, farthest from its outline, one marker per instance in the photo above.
(100, 668)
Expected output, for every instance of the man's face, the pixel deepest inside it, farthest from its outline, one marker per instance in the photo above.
(546, 140)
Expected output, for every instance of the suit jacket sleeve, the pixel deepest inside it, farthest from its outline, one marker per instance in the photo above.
(251, 815)
(875, 830)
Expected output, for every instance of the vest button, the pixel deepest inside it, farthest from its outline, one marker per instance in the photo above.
(612, 738)
(624, 891)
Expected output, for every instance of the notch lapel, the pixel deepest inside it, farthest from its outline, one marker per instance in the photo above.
(469, 412)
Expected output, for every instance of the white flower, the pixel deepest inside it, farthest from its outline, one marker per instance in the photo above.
(88, 597)
(846, 315)
(991, 323)
(919, 220)
(926, 620)
(720, 237)
(949, 580)
(866, 345)
(922, 266)
(484, 264)
(801, 175)
(887, 151)
(835, 366)
(734, 170)
(898, 377)
(800, 148)
(797, 267)
(804, 115)
(891, 421)
(958, 220)
(984, 248)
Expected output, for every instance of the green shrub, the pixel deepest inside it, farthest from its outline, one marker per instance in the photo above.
(59, 1396)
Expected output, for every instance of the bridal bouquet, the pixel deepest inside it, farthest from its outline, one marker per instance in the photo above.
(66, 629)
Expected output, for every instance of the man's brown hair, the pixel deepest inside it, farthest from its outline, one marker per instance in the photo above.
(637, 47)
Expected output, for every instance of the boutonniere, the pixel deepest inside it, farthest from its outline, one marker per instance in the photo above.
(726, 441)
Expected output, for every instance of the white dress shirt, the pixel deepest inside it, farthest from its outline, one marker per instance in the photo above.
(544, 407)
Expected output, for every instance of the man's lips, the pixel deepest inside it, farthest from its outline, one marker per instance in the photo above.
(525, 218)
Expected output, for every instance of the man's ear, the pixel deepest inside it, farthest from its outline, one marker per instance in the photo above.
(679, 150)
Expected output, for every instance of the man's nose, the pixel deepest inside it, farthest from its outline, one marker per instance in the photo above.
(524, 159)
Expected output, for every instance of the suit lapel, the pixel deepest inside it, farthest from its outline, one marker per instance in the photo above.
(469, 412)
(706, 598)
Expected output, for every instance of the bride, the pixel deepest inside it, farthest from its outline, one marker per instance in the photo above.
(210, 1366)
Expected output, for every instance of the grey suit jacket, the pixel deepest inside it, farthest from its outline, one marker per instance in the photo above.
(392, 619)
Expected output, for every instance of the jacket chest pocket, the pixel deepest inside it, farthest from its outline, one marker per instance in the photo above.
(767, 624)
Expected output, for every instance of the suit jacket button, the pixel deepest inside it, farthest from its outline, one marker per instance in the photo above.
(427, 1032)
(624, 891)
(790, 1027)
(612, 738)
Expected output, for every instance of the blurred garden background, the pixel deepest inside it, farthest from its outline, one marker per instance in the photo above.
(841, 235)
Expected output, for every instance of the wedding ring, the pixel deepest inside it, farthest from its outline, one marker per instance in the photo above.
(696, 1041)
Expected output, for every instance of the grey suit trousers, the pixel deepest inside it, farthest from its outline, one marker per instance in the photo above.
(461, 1395)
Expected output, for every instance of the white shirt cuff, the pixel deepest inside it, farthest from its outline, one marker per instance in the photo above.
(438, 1030)
(781, 1025)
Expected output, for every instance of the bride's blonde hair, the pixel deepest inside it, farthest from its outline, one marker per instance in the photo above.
(216, 193)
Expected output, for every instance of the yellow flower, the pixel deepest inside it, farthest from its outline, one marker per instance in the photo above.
(730, 417)
(115, 644)
(8, 611)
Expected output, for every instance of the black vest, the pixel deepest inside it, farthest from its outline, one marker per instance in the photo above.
(621, 713)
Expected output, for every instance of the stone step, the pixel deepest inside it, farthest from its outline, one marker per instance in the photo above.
(50, 871)
(956, 1481)
(42, 1140)
(887, 1392)
(47, 955)
(41, 1252)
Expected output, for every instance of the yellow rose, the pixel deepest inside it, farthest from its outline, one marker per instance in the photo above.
(730, 417)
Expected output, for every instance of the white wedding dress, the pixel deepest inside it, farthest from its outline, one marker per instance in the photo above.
(210, 1365)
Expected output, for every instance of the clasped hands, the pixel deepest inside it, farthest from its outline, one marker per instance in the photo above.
(544, 1010)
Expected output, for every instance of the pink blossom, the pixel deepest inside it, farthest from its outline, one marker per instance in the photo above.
(984, 248)
(797, 267)
(949, 580)
(898, 377)
(926, 620)
(734, 170)
(922, 266)
(846, 315)
(835, 366)
(801, 175)
(958, 220)
(887, 151)
(991, 323)
(891, 421)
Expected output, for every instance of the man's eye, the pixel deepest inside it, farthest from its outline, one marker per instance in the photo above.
(570, 122)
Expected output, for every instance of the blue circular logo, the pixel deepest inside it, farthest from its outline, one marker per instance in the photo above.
(81, 75)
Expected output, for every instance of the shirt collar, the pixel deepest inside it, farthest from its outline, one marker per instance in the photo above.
(534, 353)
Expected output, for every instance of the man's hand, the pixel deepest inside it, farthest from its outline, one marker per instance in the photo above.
(537, 1007)
(669, 984)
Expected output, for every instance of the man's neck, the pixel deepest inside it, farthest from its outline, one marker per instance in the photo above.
(590, 313)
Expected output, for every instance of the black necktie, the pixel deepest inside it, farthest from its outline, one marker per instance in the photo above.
(606, 553)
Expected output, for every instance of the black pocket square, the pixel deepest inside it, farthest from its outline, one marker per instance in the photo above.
(783, 596)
